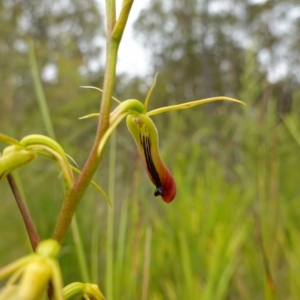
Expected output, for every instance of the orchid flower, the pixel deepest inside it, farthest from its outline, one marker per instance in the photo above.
(24, 151)
(30, 275)
(145, 135)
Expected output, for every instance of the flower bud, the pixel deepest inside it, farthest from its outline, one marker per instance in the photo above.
(13, 158)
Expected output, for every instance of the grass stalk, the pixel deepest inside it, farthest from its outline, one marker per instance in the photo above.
(146, 270)
(83, 266)
(41, 98)
(121, 245)
(110, 219)
(95, 248)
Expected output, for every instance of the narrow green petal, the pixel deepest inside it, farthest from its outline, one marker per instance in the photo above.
(109, 131)
(98, 89)
(64, 164)
(150, 92)
(89, 116)
(188, 105)
(41, 142)
(14, 266)
(97, 187)
(38, 139)
(9, 292)
(57, 279)
(9, 140)
(34, 281)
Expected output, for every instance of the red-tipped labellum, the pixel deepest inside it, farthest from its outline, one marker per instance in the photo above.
(164, 182)
(145, 135)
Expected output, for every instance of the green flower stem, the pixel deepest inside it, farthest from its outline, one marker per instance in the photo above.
(110, 16)
(73, 198)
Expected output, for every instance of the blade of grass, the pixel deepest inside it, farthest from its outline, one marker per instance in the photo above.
(110, 218)
(292, 127)
(145, 286)
(40, 92)
(186, 264)
(94, 246)
(80, 251)
(121, 244)
(50, 131)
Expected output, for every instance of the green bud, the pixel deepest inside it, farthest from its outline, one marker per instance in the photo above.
(86, 290)
(13, 158)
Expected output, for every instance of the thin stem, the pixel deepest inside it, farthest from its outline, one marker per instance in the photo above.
(30, 227)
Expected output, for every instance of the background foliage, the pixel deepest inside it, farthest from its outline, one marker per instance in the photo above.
(233, 230)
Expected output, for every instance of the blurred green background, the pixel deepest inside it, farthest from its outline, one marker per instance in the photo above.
(233, 230)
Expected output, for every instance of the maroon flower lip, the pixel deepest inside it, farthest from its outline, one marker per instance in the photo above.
(166, 188)
(145, 135)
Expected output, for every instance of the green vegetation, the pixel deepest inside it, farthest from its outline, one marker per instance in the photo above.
(232, 232)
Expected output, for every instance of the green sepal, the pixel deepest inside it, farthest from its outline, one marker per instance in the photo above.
(191, 104)
(41, 143)
(9, 140)
(96, 186)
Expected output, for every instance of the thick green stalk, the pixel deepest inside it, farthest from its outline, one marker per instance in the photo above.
(73, 198)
